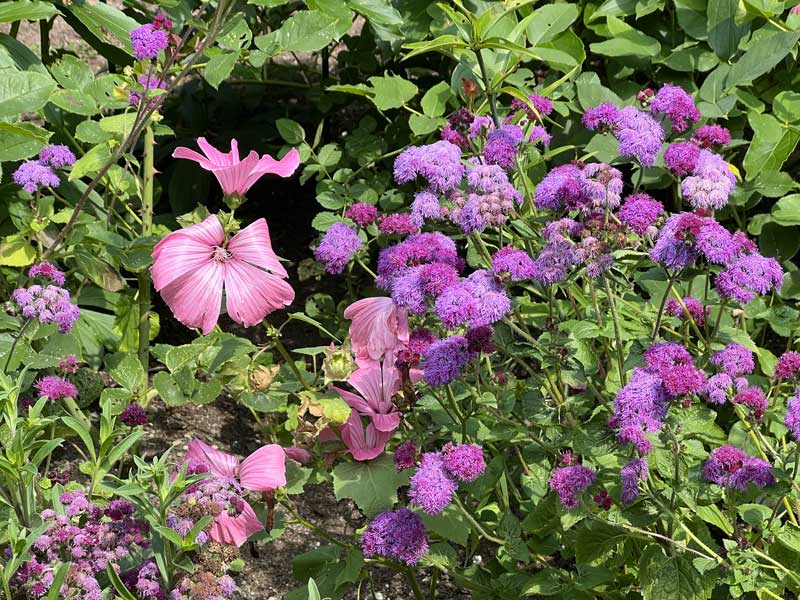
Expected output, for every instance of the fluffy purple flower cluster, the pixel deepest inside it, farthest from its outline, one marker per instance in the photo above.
(501, 146)
(47, 271)
(536, 108)
(444, 360)
(405, 455)
(792, 418)
(463, 126)
(587, 187)
(337, 247)
(788, 366)
(694, 308)
(150, 39)
(362, 214)
(631, 474)
(47, 304)
(397, 535)
(734, 359)
(639, 135)
(674, 103)
(516, 263)
(56, 156)
(569, 482)
(55, 388)
(133, 415)
(437, 477)
(639, 213)
(439, 164)
(88, 537)
(397, 224)
(33, 175)
(731, 467)
(711, 182)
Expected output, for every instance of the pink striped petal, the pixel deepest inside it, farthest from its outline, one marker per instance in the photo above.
(284, 167)
(186, 250)
(189, 154)
(251, 294)
(220, 463)
(252, 244)
(233, 178)
(195, 297)
(264, 469)
(387, 423)
(355, 401)
(363, 444)
(217, 158)
(300, 455)
(235, 530)
(378, 325)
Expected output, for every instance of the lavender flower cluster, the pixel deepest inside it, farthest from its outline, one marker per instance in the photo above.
(33, 175)
(436, 479)
(47, 303)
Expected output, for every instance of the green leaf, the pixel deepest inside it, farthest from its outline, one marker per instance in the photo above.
(450, 524)
(308, 31)
(83, 433)
(16, 251)
(29, 10)
(372, 485)
(58, 581)
(89, 131)
(761, 57)
(169, 391)
(335, 409)
(127, 371)
(423, 124)
(291, 131)
(547, 21)
(378, 12)
(23, 91)
(787, 210)
(91, 162)
(594, 538)
(119, 587)
(723, 32)
(789, 536)
(323, 220)
(771, 146)
(72, 73)
(434, 102)
(109, 24)
(626, 41)
(670, 577)
(592, 93)
(690, 58)
(391, 91)
(712, 514)
(786, 106)
(75, 101)
(439, 44)
(219, 67)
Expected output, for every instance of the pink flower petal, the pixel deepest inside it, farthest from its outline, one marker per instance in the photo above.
(387, 423)
(195, 297)
(252, 244)
(232, 178)
(264, 469)
(189, 154)
(251, 294)
(355, 401)
(363, 444)
(284, 167)
(300, 455)
(220, 463)
(378, 325)
(235, 530)
(186, 250)
(217, 158)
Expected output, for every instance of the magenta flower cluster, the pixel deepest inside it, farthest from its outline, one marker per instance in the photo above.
(47, 304)
(436, 479)
(397, 535)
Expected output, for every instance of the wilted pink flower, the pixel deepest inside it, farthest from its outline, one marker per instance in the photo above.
(264, 470)
(364, 443)
(378, 326)
(193, 265)
(236, 176)
(376, 384)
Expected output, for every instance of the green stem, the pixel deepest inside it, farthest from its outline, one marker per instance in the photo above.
(309, 525)
(285, 354)
(14, 344)
(475, 524)
(147, 226)
(487, 83)
(412, 581)
(657, 326)
(617, 331)
(434, 581)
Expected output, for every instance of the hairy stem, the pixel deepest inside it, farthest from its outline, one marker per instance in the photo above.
(147, 226)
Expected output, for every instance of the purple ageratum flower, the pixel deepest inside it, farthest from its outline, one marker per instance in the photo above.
(458, 128)
(562, 186)
(133, 415)
(749, 275)
(463, 461)
(672, 249)
(631, 474)
(662, 356)
(540, 134)
(416, 249)
(397, 535)
(695, 307)
(517, 263)
(601, 118)
(435, 278)
(718, 387)
(418, 342)
(792, 418)
(715, 242)
(678, 106)
(47, 304)
(492, 301)
(148, 40)
(710, 184)
(408, 291)
(55, 388)
(486, 179)
(730, 467)
(425, 206)
(480, 125)
(488, 210)
(432, 487)
(682, 380)
(570, 482)
(56, 156)
(148, 84)
(709, 136)
(639, 407)
(444, 360)
(48, 271)
(753, 398)
(640, 135)
(362, 214)
(562, 230)
(501, 146)
(602, 185)
(734, 359)
(681, 158)
(555, 261)
(397, 224)
(788, 366)
(541, 107)
(405, 455)
(438, 163)
(640, 212)
(457, 304)
(337, 247)
(479, 339)
(33, 175)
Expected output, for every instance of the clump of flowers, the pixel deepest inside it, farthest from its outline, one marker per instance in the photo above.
(150, 39)
(730, 467)
(338, 246)
(398, 535)
(569, 482)
(133, 415)
(436, 480)
(55, 388)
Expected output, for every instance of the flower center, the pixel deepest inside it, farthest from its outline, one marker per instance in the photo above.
(221, 254)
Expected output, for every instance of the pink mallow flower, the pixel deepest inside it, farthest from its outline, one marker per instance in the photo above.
(264, 470)
(378, 326)
(236, 176)
(193, 265)
(376, 384)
